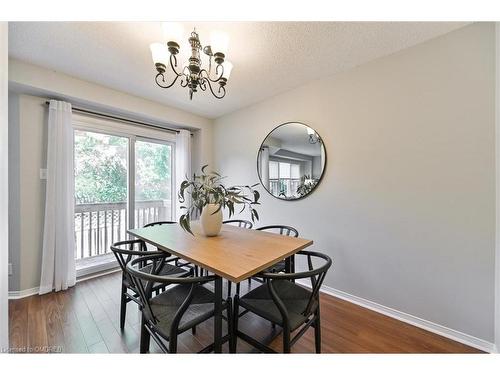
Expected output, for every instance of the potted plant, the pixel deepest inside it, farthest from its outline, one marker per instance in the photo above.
(306, 185)
(209, 197)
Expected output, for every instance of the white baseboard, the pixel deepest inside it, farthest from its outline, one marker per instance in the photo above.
(449, 333)
(17, 294)
(97, 274)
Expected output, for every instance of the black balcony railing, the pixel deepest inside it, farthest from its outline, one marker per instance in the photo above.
(98, 225)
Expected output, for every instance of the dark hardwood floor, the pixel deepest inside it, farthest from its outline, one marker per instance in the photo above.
(86, 319)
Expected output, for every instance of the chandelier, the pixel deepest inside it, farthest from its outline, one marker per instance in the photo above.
(192, 73)
(313, 136)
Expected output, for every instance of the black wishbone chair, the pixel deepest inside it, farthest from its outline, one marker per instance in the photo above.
(281, 266)
(239, 223)
(159, 223)
(179, 308)
(124, 252)
(284, 230)
(286, 303)
(178, 261)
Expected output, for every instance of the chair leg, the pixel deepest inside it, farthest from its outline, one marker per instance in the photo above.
(172, 344)
(286, 340)
(249, 283)
(123, 306)
(145, 337)
(317, 331)
(229, 287)
(193, 330)
(233, 343)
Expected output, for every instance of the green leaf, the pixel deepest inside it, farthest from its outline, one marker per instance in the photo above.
(255, 213)
(215, 173)
(185, 223)
(256, 196)
(230, 206)
(217, 210)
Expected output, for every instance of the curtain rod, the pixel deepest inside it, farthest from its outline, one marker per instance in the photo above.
(121, 119)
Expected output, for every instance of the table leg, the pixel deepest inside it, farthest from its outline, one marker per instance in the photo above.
(218, 316)
(290, 265)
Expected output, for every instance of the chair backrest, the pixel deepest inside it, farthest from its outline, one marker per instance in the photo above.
(125, 251)
(144, 281)
(284, 230)
(239, 223)
(315, 275)
(156, 223)
(159, 223)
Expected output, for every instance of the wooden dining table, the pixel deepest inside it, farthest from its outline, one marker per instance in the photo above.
(235, 254)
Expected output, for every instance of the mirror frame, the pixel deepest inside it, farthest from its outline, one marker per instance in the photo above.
(322, 174)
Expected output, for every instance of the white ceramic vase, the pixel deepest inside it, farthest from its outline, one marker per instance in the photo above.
(211, 223)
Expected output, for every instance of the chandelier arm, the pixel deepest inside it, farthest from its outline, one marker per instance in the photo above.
(163, 80)
(203, 84)
(182, 81)
(172, 57)
(173, 62)
(207, 75)
(220, 88)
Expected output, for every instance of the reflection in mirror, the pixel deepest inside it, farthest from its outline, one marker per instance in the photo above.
(291, 161)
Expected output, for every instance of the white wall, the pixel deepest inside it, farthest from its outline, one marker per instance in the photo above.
(14, 192)
(4, 187)
(497, 148)
(27, 149)
(407, 205)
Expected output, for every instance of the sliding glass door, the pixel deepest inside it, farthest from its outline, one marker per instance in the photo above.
(101, 190)
(153, 181)
(284, 178)
(123, 179)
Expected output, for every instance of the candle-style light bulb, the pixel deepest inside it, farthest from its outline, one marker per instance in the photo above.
(159, 53)
(228, 67)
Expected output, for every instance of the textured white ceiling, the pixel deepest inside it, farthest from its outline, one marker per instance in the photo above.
(268, 57)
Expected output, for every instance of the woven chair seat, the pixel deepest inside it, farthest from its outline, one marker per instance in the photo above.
(167, 270)
(295, 298)
(166, 304)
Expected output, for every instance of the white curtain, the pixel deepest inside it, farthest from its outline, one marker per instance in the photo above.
(182, 164)
(58, 259)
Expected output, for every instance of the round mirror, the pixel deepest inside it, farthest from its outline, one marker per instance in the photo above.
(291, 161)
